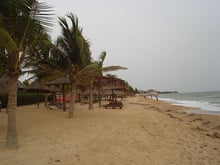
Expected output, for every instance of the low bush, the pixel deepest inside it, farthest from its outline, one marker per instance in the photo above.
(25, 98)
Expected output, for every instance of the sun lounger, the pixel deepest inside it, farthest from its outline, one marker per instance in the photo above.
(114, 104)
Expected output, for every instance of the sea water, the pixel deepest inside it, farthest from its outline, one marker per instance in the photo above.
(208, 102)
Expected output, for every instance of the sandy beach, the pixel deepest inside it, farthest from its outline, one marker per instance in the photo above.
(142, 132)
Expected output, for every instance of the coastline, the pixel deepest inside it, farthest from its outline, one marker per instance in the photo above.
(193, 109)
(203, 112)
(144, 131)
(206, 101)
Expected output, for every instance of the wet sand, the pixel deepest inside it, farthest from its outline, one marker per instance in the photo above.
(142, 132)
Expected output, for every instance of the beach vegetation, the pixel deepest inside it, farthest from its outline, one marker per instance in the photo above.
(25, 43)
(20, 24)
(72, 54)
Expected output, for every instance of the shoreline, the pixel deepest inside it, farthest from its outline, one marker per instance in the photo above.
(205, 101)
(203, 112)
(193, 109)
(144, 131)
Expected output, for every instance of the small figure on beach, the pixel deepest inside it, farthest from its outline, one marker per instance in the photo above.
(156, 96)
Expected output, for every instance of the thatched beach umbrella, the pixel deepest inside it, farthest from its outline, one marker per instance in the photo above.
(112, 84)
(53, 89)
(61, 82)
(38, 87)
(152, 93)
(95, 93)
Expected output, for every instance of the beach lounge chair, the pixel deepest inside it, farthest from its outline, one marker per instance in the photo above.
(114, 104)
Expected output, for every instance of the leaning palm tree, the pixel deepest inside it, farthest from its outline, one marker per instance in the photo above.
(93, 73)
(88, 78)
(72, 49)
(20, 23)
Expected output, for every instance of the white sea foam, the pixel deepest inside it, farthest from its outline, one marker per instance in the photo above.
(197, 104)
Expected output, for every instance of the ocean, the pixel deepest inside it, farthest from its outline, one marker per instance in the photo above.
(208, 102)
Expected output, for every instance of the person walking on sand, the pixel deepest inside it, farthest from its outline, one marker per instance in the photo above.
(156, 97)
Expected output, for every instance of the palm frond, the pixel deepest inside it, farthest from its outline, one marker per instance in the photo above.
(102, 58)
(90, 69)
(6, 40)
(3, 62)
(112, 68)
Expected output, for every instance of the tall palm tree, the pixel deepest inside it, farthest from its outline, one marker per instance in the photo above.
(94, 72)
(20, 23)
(72, 49)
(89, 73)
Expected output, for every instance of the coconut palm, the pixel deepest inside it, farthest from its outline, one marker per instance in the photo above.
(90, 72)
(94, 73)
(72, 52)
(20, 23)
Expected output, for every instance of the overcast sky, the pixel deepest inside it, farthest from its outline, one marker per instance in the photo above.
(165, 44)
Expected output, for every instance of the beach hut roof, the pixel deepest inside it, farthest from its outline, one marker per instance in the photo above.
(59, 81)
(95, 92)
(54, 88)
(151, 92)
(112, 83)
(110, 92)
(38, 87)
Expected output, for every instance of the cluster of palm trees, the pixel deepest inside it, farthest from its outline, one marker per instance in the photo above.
(25, 43)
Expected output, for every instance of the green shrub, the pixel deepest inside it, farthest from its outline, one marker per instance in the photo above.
(26, 98)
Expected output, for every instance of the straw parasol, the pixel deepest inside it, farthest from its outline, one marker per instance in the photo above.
(152, 93)
(59, 81)
(38, 87)
(114, 85)
(62, 82)
(54, 88)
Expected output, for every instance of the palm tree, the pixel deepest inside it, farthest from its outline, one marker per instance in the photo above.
(20, 23)
(93, 72)
(89, 73)
(72, 50)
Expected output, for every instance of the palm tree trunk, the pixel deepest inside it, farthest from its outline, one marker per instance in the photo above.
(72, 103)
(46, 100)
(90, 98)
(38, 100)
(81, 98)
(64, 98)
(12, 141)
(100, 98)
